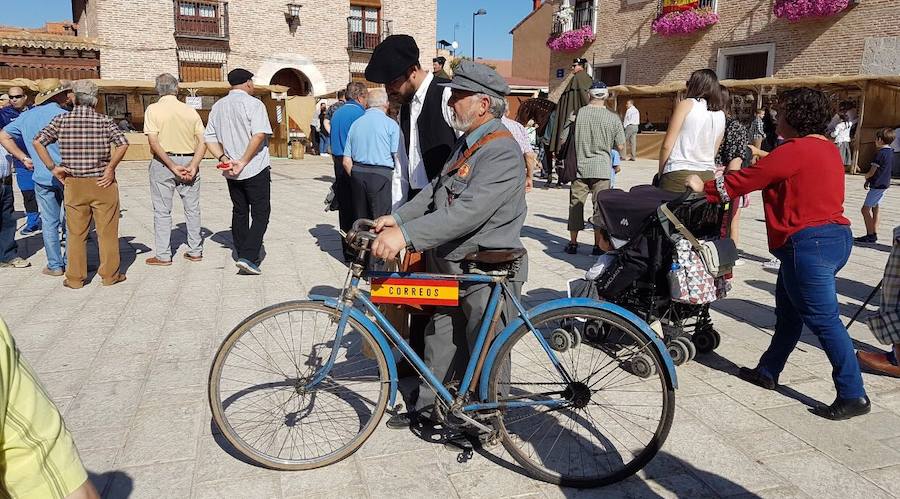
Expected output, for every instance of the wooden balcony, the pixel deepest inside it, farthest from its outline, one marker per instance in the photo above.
(363, 35)
(201, 19)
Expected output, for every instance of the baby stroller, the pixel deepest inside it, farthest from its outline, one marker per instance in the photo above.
(637, 276)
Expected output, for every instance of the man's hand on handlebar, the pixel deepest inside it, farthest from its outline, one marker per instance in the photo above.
(389, 242)
(694, 183)
(384, 222)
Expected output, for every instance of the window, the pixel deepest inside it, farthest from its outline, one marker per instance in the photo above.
(363, 27)
(207, 10)
(611, 74)
(748, 62)
(583, 15)
(207, 19)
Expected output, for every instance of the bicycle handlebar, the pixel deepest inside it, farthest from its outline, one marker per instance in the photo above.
(361, 234)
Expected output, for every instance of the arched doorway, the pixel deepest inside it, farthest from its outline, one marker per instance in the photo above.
(297, 82)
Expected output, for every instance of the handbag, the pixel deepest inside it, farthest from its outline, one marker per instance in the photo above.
(689, 280)
(717, 256)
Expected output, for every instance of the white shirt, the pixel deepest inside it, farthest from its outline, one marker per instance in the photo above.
(632, 117)
(695, 146)
(233, 120)
(400, 178)
(418, 178)
(841, 132)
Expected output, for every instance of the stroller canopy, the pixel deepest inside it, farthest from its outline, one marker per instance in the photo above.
(623, 214)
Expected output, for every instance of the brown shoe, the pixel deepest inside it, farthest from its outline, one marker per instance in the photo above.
(878, 362)
(119, 278)
(70, 286)
(53, 273)
(158, 262)
(193, 258)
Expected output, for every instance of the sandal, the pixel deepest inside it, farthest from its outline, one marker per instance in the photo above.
(572, 248)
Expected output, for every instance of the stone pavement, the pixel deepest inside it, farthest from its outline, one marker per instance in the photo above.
(128, 366)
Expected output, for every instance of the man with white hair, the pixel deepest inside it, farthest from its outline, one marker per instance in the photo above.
(597, 132)
(175, 132)
(88, 171)
(369, 153)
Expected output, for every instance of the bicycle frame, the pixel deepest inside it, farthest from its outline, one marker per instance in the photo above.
(498, 286)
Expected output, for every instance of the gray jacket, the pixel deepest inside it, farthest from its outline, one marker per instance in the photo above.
(482, 208)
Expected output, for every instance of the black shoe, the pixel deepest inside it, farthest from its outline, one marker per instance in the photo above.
(757, 378)
(843, 409)
(867, 239)
(572, 248)
(402, 421)
(597, 251)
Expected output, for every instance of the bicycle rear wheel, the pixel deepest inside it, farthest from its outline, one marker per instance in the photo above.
(261, 394)
(601, 426)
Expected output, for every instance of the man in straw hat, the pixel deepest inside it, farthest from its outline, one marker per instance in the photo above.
(55, 98)
(88, 171)
(18, 104)
(477, 203)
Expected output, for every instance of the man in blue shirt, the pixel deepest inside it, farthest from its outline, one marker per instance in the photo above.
(55, 98)
(341, 122)
(19, 104)
(369, 153)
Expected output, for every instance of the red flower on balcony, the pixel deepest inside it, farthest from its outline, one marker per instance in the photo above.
(572, 40)
(797, 10)
(684, 22)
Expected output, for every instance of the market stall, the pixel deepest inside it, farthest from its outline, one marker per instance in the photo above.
(126, 100)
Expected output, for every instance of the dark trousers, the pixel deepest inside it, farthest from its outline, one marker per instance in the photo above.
(251, 200)
(805, 294)
(8, 247)
(344, 197)
(370, 190)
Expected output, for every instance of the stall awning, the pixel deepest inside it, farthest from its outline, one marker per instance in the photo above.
(148, 87)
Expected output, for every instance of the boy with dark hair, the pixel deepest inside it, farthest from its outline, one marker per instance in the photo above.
(878, 179)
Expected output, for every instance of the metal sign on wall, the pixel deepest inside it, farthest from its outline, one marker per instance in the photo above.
(560, 73)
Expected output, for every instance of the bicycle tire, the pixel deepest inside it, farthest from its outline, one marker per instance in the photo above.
(329, 393)
(509, 428)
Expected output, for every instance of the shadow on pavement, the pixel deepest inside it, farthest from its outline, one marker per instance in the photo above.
(328, 239)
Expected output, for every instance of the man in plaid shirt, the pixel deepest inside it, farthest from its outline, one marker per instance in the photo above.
(886, 324)
(88, 171)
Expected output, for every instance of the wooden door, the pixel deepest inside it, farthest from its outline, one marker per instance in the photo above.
(199, 71)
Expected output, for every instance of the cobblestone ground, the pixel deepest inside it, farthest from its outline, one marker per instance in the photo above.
(127, 365)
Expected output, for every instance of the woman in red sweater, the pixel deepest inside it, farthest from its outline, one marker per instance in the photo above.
(802, 182)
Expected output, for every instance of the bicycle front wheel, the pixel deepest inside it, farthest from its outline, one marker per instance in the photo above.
(263, 395)
(599, 427)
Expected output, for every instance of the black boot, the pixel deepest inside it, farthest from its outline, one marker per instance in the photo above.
(757, 378)
(843, 409)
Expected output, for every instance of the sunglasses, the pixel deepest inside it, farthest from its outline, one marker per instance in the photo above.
(16, 96)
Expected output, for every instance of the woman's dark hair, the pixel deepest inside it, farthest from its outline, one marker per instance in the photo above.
(725, 100)
(704, 84)
(806, 110)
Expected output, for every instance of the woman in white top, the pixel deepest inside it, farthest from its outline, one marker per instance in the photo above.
(694, 135)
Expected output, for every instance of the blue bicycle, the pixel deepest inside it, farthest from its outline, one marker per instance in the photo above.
(579, 392)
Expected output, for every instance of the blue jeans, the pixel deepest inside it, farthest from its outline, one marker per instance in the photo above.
(8, 247)
(323, 143)
(50, 200)
(805, 294)
(24, 177)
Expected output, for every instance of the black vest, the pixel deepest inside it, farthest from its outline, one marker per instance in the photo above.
(436, 138)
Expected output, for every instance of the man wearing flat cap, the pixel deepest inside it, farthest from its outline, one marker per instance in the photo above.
(237, 134)
(476, 204)
(55, 98)
(437, 65)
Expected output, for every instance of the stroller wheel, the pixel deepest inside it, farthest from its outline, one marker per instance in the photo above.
(642, 365)
(561, 340)
(706, 340)
(679, 351)
(692, 350)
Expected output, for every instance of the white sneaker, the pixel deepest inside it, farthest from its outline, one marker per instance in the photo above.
(17, 262)
(773, 264)
(739, 262)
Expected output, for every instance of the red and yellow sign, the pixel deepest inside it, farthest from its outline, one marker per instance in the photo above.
(679, 5)
(415, 291)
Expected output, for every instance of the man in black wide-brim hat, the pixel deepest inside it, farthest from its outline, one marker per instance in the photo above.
(425, 122)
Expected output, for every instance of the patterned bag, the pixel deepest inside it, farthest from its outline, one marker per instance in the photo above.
(689, 281)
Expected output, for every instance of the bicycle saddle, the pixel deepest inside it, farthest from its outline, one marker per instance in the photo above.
(496, 256)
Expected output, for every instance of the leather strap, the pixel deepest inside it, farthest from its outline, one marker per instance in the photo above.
(499, 134)
(680, 226)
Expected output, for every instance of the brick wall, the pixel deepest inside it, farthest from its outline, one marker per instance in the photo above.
(531, 57)
(828, 46)
(139, 43)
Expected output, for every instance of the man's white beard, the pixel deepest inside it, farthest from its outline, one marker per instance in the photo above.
(462, 123)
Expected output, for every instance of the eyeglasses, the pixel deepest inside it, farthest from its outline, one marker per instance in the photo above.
(17, 96)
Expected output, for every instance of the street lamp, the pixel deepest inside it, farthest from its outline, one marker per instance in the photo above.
(479, 12)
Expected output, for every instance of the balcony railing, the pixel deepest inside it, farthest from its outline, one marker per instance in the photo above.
(364, 35)
(207, 19)
(582, 15)
(712, 5)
